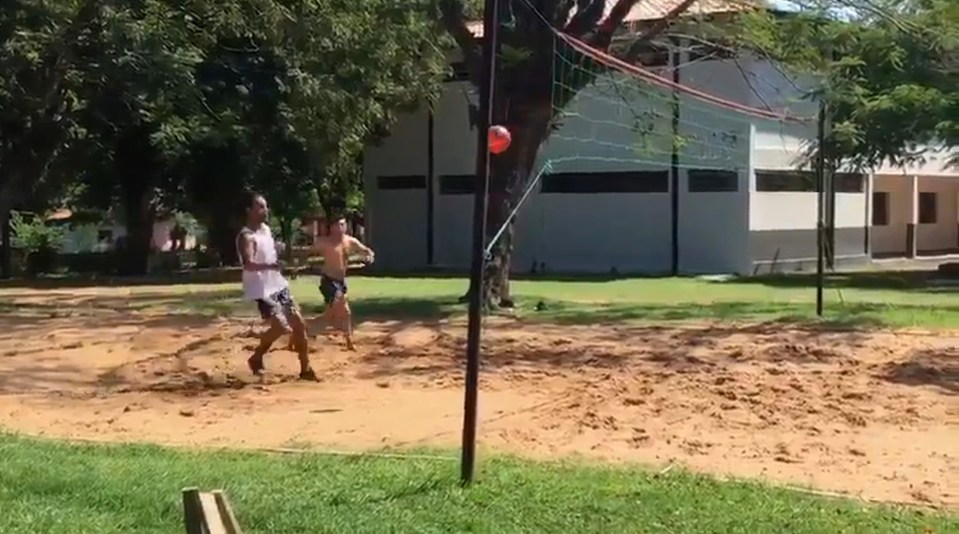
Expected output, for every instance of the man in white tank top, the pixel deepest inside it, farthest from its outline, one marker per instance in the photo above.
(264, 284)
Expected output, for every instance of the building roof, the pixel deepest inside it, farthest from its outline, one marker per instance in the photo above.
(650, 10)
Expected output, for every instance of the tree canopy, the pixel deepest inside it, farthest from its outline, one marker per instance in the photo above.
(153, 105)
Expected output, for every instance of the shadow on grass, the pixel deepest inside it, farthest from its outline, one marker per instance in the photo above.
(924, 280)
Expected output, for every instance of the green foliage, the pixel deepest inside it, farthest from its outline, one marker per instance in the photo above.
(31, 234)
(889, 72)
(155, 105)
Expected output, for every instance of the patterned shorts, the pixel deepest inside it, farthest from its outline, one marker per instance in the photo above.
(279, 305)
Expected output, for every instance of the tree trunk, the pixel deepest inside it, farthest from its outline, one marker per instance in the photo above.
(510, 176)
(134, 166)
(221, 237)
(6, 248)
(139, 219)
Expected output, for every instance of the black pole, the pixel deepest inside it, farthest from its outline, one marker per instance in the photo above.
(674, 165)
(430, 179)
(820, 198)
(479, 240)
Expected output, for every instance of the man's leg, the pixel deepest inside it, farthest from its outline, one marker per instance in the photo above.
(276, 330)
(300, 343)
(341, 310)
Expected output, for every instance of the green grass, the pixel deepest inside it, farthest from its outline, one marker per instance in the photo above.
(860, 301)
(855, 300)
(55, 487)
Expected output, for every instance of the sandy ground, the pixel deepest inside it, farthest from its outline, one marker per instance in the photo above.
(872, 415)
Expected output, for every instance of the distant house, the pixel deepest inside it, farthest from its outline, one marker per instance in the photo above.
(85, 235)
(598, 208)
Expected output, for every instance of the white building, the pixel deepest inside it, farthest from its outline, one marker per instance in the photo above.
(602, 208)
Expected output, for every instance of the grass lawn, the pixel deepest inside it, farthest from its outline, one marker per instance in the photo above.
(862, 299)
(877, 300)
(55, 487)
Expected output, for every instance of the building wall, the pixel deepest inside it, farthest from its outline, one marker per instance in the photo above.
(782, 223)
(943, 235)
(86, 237)
(396, 216)
(890, 239)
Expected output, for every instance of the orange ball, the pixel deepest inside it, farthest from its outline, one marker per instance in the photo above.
(499, 139)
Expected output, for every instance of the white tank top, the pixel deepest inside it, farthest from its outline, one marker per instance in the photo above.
(261, 284)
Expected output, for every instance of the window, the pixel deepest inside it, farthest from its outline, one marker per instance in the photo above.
(785, 181)
(849, 182)
(607, 182)
(652, 56)
(463, 184)
(711, 52)
(927, 208)
(713, 181)
(401, 182)
(805, 181)
(880, 208)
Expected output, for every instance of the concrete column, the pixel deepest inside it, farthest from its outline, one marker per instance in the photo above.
(911, 226)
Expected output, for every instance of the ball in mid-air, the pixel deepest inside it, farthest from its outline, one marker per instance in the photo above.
(499, 139)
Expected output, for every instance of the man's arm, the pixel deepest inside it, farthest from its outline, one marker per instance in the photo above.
(357, 245)
(247, 250)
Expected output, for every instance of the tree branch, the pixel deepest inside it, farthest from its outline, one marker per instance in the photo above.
(614, 21)
(451, 13)
(657, 28)
(588, 14)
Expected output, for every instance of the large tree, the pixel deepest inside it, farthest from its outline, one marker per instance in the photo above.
(889, 70)
(40, 44)
(523, 93)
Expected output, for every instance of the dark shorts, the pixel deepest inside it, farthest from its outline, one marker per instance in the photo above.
(279, 304)
(330, 288)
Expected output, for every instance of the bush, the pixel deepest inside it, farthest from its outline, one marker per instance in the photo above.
(39, 241)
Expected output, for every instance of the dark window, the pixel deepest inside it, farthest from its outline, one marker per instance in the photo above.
(458, 184)
(849, 182)
(785, 181)
(653, 56)
(711, 52)
(607, 182)
(880, 208)
(401, 182)
(713, 181)
(458, 72)
(804, 181)
(927, 208)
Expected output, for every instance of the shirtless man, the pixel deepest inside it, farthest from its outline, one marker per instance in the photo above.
(265, 285)
(336, 249)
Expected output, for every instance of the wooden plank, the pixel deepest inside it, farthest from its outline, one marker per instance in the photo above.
(192, 513)
(226, 512)
(211, 515)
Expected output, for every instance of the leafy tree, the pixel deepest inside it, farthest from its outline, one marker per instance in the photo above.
(40, 43)
(889, 71)
(523, 98)
(297, 107)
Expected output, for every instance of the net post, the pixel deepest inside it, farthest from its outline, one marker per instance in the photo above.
(821, 207)
(471, 392)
